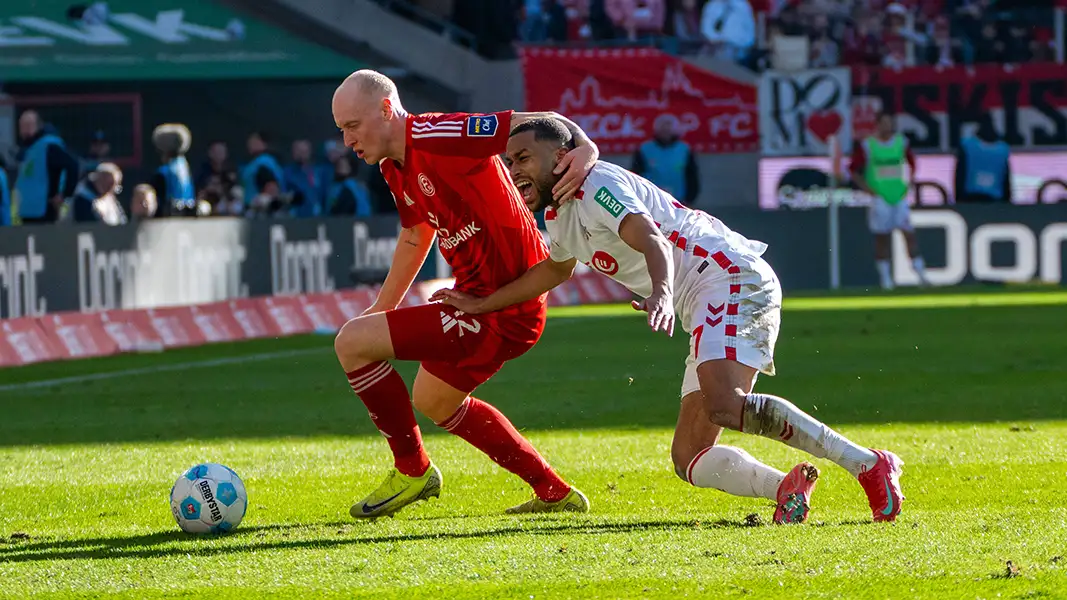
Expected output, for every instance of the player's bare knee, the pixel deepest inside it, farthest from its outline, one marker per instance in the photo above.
(352, 344)
(724, 406)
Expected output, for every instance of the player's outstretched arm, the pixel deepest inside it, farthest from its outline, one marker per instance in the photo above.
(412, 246)
(576, 164)
(641, 234)
(541, 278)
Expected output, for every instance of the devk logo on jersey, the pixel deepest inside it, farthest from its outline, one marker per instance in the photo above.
(604, 262)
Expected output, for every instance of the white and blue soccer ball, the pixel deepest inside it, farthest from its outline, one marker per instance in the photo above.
(208, 498)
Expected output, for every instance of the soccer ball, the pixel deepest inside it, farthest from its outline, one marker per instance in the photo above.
(208, 498)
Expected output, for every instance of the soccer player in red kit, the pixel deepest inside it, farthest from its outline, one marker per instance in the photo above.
(448, 182)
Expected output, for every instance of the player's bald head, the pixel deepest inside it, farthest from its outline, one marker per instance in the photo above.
(367, 110)
(366, 85)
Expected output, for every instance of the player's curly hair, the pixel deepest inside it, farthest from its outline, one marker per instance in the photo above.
(547, 129)
(172, 139)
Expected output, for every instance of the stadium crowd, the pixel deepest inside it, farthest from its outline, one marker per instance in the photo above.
(74, 186)
(838, 32)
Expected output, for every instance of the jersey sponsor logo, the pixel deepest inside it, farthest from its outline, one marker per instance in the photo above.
(604, 198)
(481, 125)
(447, 240)
(426, 185)
(450, 322)
(604, 262)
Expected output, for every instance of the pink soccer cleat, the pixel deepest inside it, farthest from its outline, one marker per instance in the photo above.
(882, 484)
(794, 494)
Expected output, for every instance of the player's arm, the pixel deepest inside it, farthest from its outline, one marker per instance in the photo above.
(857, 168)
(641, 234)
(541, 278)
(412, 246)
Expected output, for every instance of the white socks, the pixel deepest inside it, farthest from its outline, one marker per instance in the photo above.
(885, 275)
(734, 471)
(919, 265)
(777, 418)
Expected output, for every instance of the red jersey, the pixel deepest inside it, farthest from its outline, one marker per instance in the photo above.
(453, 179)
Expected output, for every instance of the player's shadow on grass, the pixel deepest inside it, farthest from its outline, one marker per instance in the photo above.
(155, 545)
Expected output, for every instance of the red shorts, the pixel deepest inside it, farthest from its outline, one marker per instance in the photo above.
(462, 350)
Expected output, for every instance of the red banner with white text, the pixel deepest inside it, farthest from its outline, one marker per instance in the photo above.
(616, 96)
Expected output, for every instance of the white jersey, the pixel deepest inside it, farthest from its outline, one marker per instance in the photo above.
(587, 229)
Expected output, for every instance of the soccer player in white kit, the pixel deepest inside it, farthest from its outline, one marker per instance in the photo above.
(687, 263)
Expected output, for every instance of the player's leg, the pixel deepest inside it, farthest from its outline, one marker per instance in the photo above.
(728, 371)
(903, 223)
(487, 429)
(879, 220)
(363, 347)
(703, 463)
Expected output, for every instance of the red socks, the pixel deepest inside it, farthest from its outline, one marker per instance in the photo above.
(386, 396)
(488, 430)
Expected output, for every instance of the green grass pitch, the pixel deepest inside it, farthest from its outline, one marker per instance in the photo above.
(969, 389)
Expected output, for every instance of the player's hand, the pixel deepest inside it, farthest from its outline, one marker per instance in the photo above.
(660, 308)
(575, 167)
(471, 305)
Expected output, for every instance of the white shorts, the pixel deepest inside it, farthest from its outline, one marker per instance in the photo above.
(737, 317)
(884, 218)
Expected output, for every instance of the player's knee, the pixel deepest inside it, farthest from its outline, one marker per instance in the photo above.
(681, 457)
(351, 341)
(724, 406)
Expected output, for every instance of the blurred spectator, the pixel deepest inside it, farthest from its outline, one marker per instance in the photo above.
(47, 172)
(144, 203)
(983, 169)
(304, 182)
(347, 195)
(862, 44)
(94, 199)
(262, 178)
(99, 151)
(600, 25)
(381, 197)
(218, 182)
(173, 181)
(823, 48)
(545, 20)
(5, 196)
(730, 26)
(636, 18)
(685, 22)
(668, 162)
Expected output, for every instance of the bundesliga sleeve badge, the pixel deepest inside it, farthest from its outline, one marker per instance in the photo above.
(481, 125)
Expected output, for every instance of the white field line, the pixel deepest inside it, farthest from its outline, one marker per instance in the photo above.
(196, 364)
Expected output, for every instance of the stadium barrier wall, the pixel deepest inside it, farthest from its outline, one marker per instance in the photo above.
(78, 291)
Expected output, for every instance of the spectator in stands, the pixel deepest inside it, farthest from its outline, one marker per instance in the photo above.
(144, 204)
(173, 181)
(304, 182)
(685, 21)
(669, 162)
(348, 195)
(989, 48)
(99, 151)
(5, 196)
(47, 172)
(983, 168)
(262, 178)
(94, 199)
(217, 182)
(730, 26)
(636, 18)
(822, 46)
(546, 20)
(495, 24)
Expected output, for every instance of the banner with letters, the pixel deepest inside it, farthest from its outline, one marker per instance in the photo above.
(800, 111)
(1026, 104)
(616, 96)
